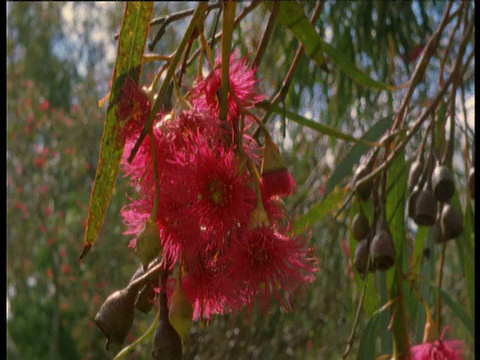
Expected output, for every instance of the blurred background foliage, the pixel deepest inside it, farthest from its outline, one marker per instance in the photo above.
(59, 62)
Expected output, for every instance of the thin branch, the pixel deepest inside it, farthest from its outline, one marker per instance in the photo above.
(282, 93)
(428, 52)
(457, 69)
(165, 20)
(266, 35)
(228, 18)
(163, 89)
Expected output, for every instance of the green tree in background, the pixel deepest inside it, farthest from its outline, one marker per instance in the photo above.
(59, 68)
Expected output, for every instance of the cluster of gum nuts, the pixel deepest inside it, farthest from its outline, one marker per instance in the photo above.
(431, 189)
(374, 251)
(430, 196)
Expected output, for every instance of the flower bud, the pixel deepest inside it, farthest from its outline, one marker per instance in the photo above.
(275, 177)
(180, 312)
(148, 242)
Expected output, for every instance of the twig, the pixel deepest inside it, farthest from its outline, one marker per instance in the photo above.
(228, 18)
(266, 35)
(128, 349)
(164, 21)
(217, 36)
(171, 69)
(428, 52)
(440, 277)
(425, 114)
(288, 79)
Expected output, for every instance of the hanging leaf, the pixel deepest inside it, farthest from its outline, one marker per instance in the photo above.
(292, 15)
(131, 47)
(458, 310)
(344, 168)
(324, 129)
(366, 348)
(320, 210)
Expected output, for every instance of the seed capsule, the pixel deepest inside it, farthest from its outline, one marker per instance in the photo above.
(360, 226)
(471, 182)
(115, 316)
(425, 208)
(382, 250)
(361, 257)
(442, 183)
(363, 190)
(451, 222)
(414, 174)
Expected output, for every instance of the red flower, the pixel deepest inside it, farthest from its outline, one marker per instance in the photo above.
(268, 260)
(242, 83)
(438, 350)
(209, 285)
(220, 194)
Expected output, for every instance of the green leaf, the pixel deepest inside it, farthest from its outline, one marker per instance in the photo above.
(457, 309)
(344, 168)
(352, 71)
(320, 210)
(366, 348)
(291, 15)
(131, 47)
(324, 129)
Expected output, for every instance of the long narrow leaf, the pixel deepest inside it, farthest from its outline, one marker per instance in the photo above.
(366, 348)
(320, 210)
(131, 46)
(324, 129)
(352, 71)
(344, 168)
(292, 15)
(458, 310)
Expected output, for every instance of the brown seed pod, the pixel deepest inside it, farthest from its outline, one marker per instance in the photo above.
(166, 342)
(382, 250)
(361, 257)
(437, 232)
(115, 316)
(365, 189)
(412, 201)
(425, 208)
(146, 294)
(360, 226)
(442, 183)
(146, 297)
(451, 222)
(414, 174)
(471, 182)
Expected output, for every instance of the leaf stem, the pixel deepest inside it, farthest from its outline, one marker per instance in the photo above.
(228, 26)
(128, 349)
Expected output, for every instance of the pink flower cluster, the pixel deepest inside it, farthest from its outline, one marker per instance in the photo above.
(439, 349)
(216, 218)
